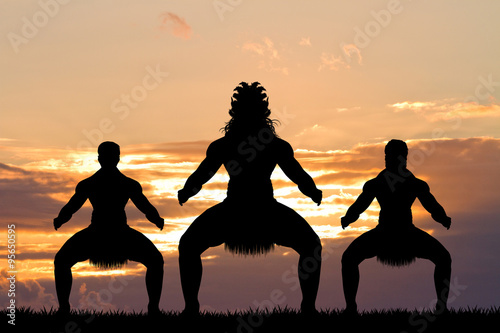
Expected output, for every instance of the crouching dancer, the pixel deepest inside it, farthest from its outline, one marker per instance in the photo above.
(396, 241)
(108, 241)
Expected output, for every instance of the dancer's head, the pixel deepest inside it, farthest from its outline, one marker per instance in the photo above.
(109, 154)
(396, 153)
(249, 109)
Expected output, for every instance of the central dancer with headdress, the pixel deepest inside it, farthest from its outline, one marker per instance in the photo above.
(249, 220)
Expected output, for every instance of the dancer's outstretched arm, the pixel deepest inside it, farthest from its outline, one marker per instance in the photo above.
(142, 203)
(359, 206)
(432, 206)
(293, 170)
(207, 168)
(73, 205)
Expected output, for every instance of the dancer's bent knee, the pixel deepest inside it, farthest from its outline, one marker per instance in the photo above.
(350, 259)
(310, 248)
(156, 261)
(443, 260)
(61, 260)
(314, 250)
(189, 248)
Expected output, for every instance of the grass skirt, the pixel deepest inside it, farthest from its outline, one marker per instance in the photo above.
(396, 246)
(252, 227)
(109, 247)
(251, 232)
(249, 226)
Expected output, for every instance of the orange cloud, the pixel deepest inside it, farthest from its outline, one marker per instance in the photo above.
(305, 41)
(269, 54)
(176, 25)
(29, 292)
(448, 109)
(41, 193)
(332, 62)
(462, 173)
(335, 63)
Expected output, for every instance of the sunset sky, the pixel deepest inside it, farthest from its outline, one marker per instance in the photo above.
(343, 78)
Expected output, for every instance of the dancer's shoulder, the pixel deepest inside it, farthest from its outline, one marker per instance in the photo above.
(85, 185)
(378, 183)
(132, 182)
(282, 146)
(218, 147)
(372, 185)
(420, 185)
(220, 142)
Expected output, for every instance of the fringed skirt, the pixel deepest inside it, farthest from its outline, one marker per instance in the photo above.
(109, 248)
(249, 227)
(397, 247)
(253, 242)
(252, 229)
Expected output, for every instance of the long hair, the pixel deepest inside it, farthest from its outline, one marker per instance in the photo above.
(249, 110)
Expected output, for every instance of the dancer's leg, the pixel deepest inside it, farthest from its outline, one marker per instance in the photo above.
(203, 233)
(64, 281)
(147, 254)
(73, 251)
(431, 249)
(360, 249)
(191, 271)
(292, 230)
(309, 271)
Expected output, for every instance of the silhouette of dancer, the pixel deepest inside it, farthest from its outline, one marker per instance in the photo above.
(249, 220)
(395, 241)
(108, 241)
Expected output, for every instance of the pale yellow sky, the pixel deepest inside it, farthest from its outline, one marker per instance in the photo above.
(72, 72)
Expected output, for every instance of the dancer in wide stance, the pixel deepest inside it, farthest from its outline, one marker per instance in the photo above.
(396, 241)
(249, 220)
(108, 241)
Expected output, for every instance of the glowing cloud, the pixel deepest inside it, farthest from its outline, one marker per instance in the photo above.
(335, 63)
(305, 41)
(448, 109)
(332, 62)
(176, 25)
(269, 54)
